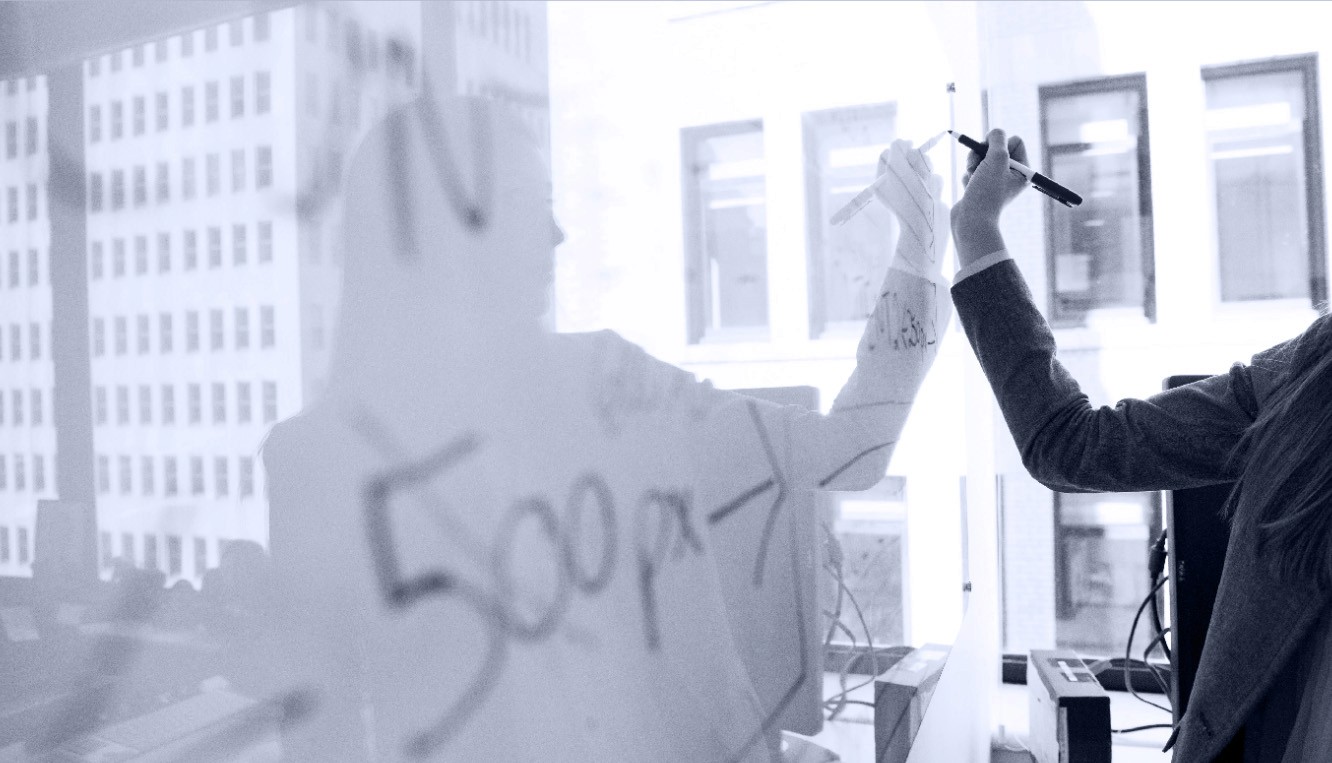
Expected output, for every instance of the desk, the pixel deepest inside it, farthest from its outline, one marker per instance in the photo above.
(852, 734)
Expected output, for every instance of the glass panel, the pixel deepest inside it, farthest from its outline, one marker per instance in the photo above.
(1097, 246)
(842, 155)
(728, 173)
(1255, 140)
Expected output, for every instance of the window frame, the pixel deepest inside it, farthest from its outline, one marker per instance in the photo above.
(1136, 82)
(1315, 212)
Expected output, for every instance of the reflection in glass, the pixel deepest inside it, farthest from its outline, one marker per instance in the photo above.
(726, 228)
(847, 262)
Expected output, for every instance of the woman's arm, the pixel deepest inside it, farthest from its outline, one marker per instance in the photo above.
(1180, 438)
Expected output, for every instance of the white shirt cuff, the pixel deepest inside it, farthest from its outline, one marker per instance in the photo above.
(989, 260)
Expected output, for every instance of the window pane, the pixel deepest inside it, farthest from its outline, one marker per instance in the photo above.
(1255, 140)
(727, 227)
(1097, 257)
(847, 262)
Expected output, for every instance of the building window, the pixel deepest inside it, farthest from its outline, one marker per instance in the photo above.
(24, 551)
(163, 183)
(164, 252)
(164, 333)
(1265, 152)
(140, 255)
(150, 552)
(200, 557)
(196, 403)
(220, 477)
(175, 554)
(170, 486)
(725, 220)
(187, 179)
(263, 167)
(140, 186)
(237, 97)
(20, 475)
(95, 257)
(38, 410)
(246, 486)
(270, 402)
(17, 397)
(13, 204)
(210, 39)
(238, 170)
(213, 174)
(35, 341)
(145, 341)
(261, 27)
(122, 405)
(163, 111)
(95, 192)
(94, 124)
(262, 93)
(126, 477)
(191, 250)
(32, 201)
(265, 241)
(243, 402)
(1099, 254)
(39, 473)
(33, 133)
(15, 341)
(210, 102)
(215, 327)
(122, 335)
(14, 277)
(127, 547)
(160, 51)
(187, 44)
(187, 106)
(99, 405)
(214, 247)
(136, 55)
(192, 331)
(239, 244)
(235, 33)
(117, 189)
(34, 268)
(242, 328)
(219, 403)
(267, 327)
(145, 404)
(11, 140)
(140, 115)
(147, 477)
(118, 257)
(168, 404)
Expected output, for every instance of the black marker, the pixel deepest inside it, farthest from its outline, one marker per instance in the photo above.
(1041, 183)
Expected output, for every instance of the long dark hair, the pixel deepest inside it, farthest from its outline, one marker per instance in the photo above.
(1287, 457)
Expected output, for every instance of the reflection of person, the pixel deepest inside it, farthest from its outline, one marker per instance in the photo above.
(1267, 662)
(497, 536)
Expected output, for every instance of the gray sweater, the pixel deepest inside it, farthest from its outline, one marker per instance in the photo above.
(1176, 439)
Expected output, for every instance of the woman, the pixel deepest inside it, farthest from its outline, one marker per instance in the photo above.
(1266, 665)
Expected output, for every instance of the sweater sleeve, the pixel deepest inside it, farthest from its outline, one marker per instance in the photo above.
(1175, 439)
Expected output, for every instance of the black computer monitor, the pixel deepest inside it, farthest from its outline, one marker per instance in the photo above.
(1198, 536)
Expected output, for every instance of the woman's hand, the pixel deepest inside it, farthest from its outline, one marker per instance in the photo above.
(990, 185)
(912, 193)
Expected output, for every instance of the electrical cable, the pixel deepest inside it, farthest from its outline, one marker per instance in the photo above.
(839, 701)
(1156, 672)
(1128, 649)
